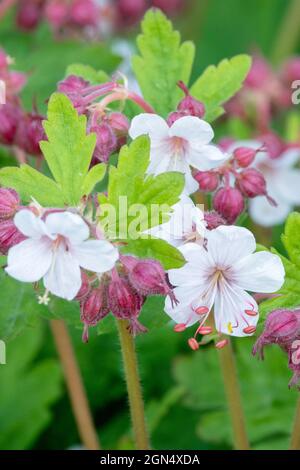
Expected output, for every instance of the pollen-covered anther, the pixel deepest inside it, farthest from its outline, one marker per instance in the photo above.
(202, 310)
(251, 313)
(249, 330)
(221, 344)
(193, 344)
(204, 330)
(179, 328)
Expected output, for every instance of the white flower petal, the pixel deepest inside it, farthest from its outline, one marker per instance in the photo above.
(151, 124)
(205, 157)
(230, 311)
(63, 278)
(260, 272)
(287, 185)
(287, 159)
(183, 311)
(29, 224)
(71, 226)
(29, 260)
(96, 255)
(191, 128)
(160, 158)
(228, 244)
(266, 215)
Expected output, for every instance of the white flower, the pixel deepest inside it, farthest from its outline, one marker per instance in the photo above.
(186, 224)
(178, 147)
(283, 185)
(55, 250)
(219, 275)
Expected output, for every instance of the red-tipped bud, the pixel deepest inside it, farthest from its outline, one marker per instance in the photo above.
(29, 134)
(281, 327)
(84, 12)
(244, 156)
(29, 15)
(208, 180)
(179, 328)
(193, 344)
(229, 203)
(124, 301)
(9, 235)
(85, 287)
(56, 13)
(213, 220)
(189, 105)
(174, 116)
(9, 203)
(106, 142)
(10, 117)
(251, 183)
(221, 344)
(94, 307)
(119, 124)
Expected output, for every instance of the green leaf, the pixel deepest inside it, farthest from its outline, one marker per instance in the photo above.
(23, 416)
(162, 62)
(154, 248)
(19, 307)
(140, 201)
(289, 294)
(68, 152)
(219, 83)
(87, 73)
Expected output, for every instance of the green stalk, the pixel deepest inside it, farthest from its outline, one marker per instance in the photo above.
(289, 32)
(295, 438)
(134, 388)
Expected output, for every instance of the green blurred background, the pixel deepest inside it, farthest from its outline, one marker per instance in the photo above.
(183, 390)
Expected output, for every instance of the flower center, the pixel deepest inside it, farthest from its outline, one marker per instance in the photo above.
(179, 145)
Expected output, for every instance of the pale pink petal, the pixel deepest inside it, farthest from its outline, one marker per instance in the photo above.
(228, 244)
(191, 128)
(287, 159)
(63, 279)
(230, 311)
(29, 260)
(96, 255)
(71, 226)
(205, 157)
(287, 185)
(150, 124)
(29, 224)
(266, 215)
(259, 272)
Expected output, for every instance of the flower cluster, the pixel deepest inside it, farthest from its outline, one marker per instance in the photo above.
(265, 92)
(19, 129)
(282, 327)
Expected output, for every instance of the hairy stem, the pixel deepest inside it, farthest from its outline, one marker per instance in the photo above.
(295, 438)
(289, 32)
(79, 402)
(232, 389)
(133, 386)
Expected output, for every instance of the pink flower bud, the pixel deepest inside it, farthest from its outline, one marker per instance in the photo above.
(260, 73)
(85, 287)
(148, 277)
(273, 143)
(208, 180)
(225, 143)
(189, 105)
(29, 14)
(73, 87)
(229, 203)
(9, 235)
(106, 142)
(29, 134)
(10, 117)
(94, 307)
(251, 183)
(119, 124)
(84, 12)
(281, 327)
(174, 116)
(9, 203)
(124, 301)
(130, 11)
(56, 12)
(244, 156)
(213, 220)
(291, 70)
